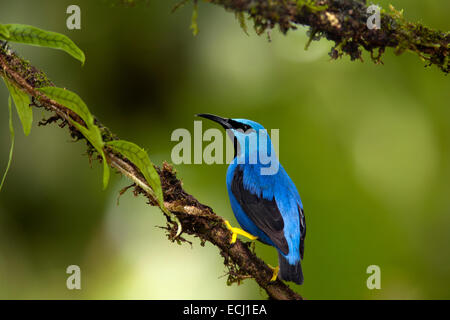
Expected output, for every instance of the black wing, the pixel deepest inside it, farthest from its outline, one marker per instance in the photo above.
(262, 212)
(302, 231)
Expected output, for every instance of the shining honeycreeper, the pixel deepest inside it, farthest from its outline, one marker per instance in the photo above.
(266, 203)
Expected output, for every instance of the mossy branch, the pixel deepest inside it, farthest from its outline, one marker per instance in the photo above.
(196, 218)
(345, 23)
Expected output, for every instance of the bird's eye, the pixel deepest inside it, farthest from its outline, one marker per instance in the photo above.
(245, 127)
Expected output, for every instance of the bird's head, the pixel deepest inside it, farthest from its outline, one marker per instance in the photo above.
(243, 132)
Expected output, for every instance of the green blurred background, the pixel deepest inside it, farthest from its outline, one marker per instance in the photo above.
(368, 147)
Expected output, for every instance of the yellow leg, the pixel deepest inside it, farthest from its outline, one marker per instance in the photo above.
(275, 273)
(237, 231)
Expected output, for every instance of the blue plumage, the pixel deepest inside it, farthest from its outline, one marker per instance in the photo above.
(266, 203)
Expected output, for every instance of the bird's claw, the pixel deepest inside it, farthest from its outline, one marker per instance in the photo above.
(236, 231)
(275, 273)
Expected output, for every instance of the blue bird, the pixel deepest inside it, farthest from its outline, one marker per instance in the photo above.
(266, 206)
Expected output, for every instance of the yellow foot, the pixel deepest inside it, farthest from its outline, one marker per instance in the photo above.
(275, 272)
(237, 231)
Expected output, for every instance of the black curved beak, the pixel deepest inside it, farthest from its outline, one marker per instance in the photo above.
(224, 122)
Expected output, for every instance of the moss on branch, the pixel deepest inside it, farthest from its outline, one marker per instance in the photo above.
(345, 23)
(342, 21)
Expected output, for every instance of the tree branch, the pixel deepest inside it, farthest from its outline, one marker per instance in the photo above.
(196, 218)
(345, 23)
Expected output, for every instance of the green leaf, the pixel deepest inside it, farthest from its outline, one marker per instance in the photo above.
(194, 25)
(4, 32)
(11, 130)
(140, 158)
(70, 100)
(92, 133)
(22, 103)
(94, 136)
(34, 36)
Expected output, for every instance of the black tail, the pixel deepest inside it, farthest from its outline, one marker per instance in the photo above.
(289, 272)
